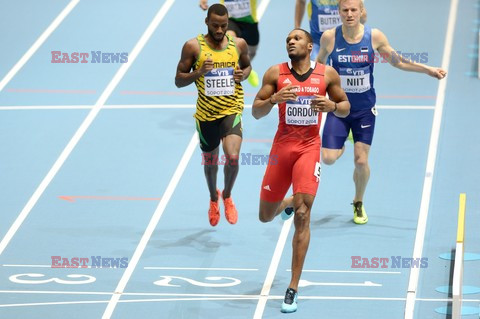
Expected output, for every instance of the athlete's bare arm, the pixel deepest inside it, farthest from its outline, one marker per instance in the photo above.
(244, 69)
(327, 43)
(266, 97)
(337, 101)
(299, 12)
(190, 52)
(381, 44)
(263, 103)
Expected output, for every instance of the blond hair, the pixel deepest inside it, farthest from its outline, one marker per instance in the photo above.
(340, 2)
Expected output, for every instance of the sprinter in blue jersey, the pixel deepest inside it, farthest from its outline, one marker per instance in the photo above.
(351, 47)
(322, 15)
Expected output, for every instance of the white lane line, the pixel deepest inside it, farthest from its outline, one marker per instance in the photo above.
(206, 269)
(262, 7)
(64, 292)
(151, 226)
(305, 283)
(55, 292)
(31, 304)
(272, 270)
(27, 266)
(147, 268)
(225, 298)
(405, 107)
(50, 266)
(351, 271)
(37, 44)
(168, 106)
(430, 169)
(84, 126)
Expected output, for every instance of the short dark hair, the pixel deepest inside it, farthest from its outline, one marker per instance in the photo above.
(309, 36)
(218, 9)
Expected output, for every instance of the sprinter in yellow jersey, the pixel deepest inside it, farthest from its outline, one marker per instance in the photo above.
(217, 63)
(243, 23)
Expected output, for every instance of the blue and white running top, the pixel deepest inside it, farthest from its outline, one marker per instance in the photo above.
(323, 15)
(354, 64)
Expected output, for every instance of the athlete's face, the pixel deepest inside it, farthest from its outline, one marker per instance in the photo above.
(217, 26)
(298, 45)
(350, 12)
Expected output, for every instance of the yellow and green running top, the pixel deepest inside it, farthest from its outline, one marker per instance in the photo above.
(241, 10)
(218, 94)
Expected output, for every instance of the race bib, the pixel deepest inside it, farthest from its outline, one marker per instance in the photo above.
(219, 82)
(328, 20)
(300, 113)
(355, 80)
(238, 8)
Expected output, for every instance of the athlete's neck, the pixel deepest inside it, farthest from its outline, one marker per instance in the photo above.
(353, 34)
(301, 66)
(214, 44)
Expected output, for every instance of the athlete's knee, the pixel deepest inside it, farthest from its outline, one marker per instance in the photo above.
(302, 216)
(329, 157)
(211, 169)
(267, 211)
(232, 144)
(210, 162)
(328, 160)
(361, 161)
(209, 159)
(231, 160)
(265, 215)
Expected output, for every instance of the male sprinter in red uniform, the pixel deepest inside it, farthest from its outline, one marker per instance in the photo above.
(299, 87)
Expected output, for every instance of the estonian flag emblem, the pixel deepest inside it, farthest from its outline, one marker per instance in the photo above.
(364, 49)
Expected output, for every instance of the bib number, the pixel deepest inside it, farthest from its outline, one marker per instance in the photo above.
(355, 80)
(219, 82)
(300, 113)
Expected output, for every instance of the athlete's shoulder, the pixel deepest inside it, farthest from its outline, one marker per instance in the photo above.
(272, 74)
(377, 33)
(240, 44)
(328, 38)
(191, 49)
(192, 44)
(238, 40)
(329, 34)
(274, 69)
(330, 71)
(327, 42)
(331, 75)
(379, 39)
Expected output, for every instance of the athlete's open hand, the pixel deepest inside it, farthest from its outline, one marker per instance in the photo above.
(287, 93)
(322, 104)
(207, 66)
(238, 75)
(437, 73)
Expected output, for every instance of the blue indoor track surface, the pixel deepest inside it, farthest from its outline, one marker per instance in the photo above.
(102, 161)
